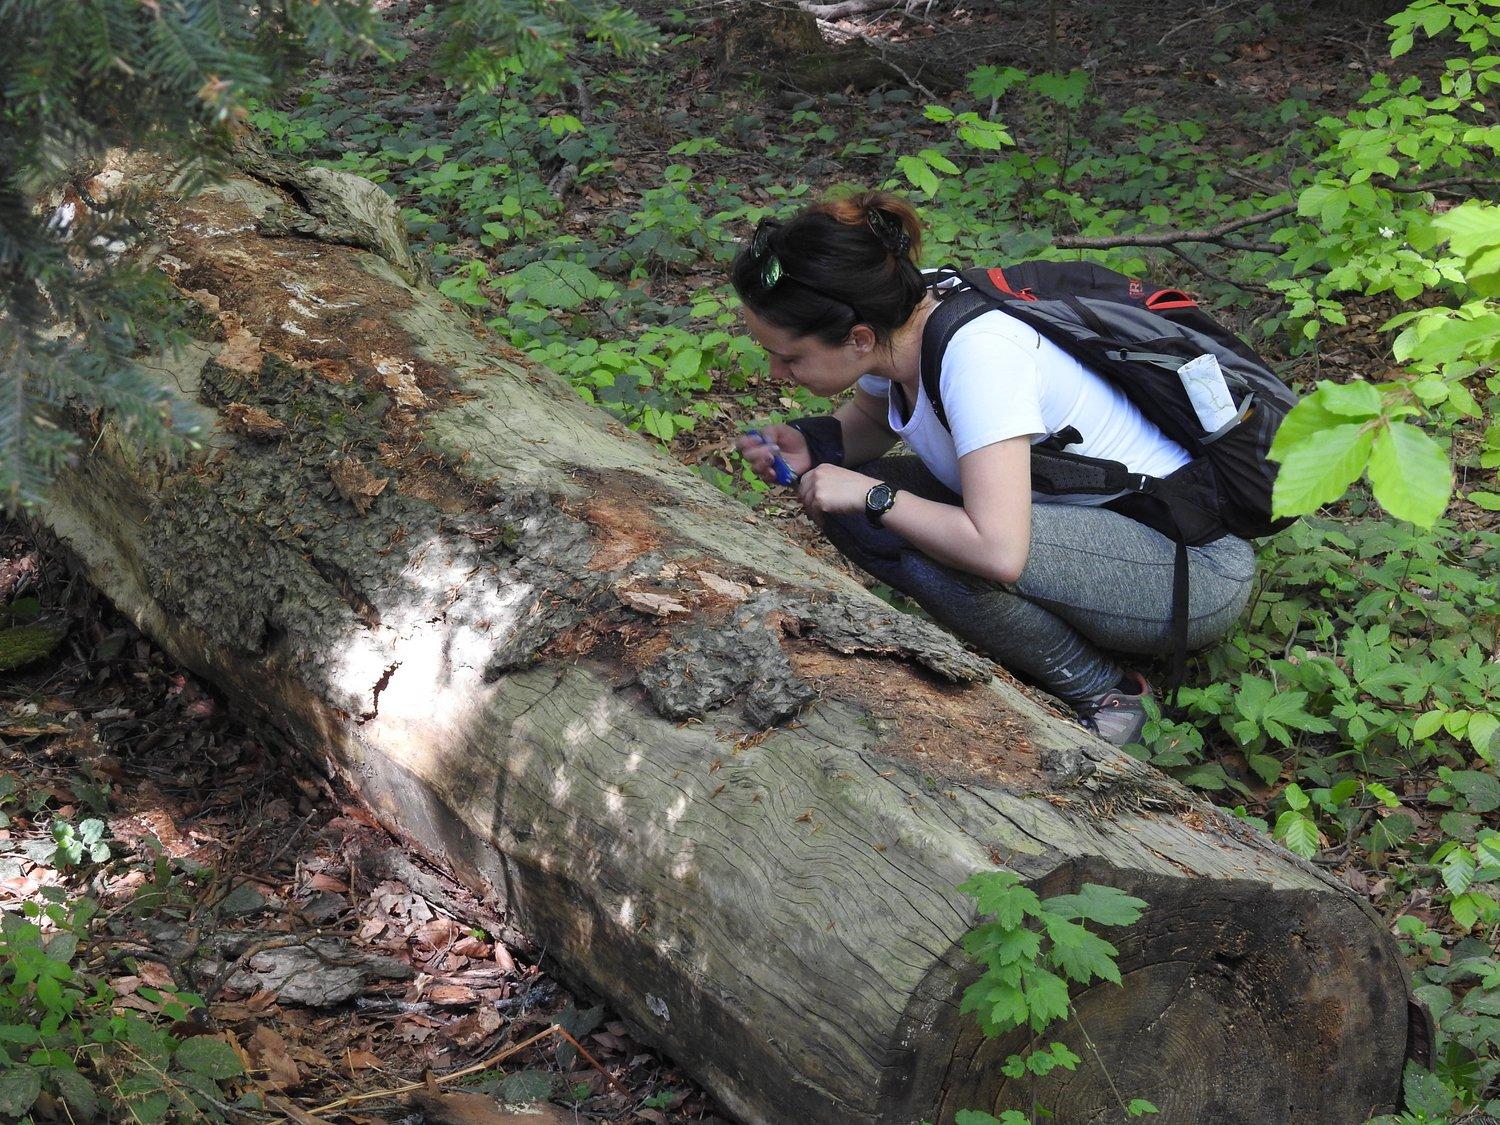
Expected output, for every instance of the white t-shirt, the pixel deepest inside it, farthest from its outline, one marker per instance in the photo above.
(1002, 379)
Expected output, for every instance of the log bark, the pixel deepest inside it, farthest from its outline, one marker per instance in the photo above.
(721, 784)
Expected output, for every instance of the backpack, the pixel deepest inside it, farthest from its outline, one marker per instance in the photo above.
(1136, 336)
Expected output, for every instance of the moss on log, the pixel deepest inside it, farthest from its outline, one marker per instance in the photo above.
(720, 783)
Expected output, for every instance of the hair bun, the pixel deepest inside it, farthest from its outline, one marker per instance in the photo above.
(889, 229)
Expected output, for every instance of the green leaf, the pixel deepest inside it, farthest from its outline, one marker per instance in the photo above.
(19, 1088)
(1319, 472)
(1306, 420)
(1467, 908)
(1044, 1062)
(1266, 767)
(526, 1086)
(984, 135)
(979, 1117)
(1064, 1057)
(1295, 797)
(1458, 869)
(1012, 944)
(1472, 228)
(1105, 906)
(1340, 793)
(1458, 337)
(1353, 400)
(1080, 954)
(1481, 790)
(1482, 728)
(1427, 724)
(1139, 1107)
(1298, 833)
(937, 160)
(204, 1054)
(1320, 197)
(77, 1091)
(1206, 775)
(553, 283)
(1390, 832)
(918, 173)
(999, 893)
(1382, 794)
(1409, 474)
(1046, 997)
(1425, 1093)
(1004, 1004)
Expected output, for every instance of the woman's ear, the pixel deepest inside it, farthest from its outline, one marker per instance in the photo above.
(862, 339)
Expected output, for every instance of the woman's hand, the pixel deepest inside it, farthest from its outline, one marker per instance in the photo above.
(790, 442)
(832, 490)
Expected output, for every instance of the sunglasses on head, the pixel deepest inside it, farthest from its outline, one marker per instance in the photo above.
(760, 249)
(772, 271)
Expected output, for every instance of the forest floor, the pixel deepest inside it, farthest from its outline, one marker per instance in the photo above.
(346, 970)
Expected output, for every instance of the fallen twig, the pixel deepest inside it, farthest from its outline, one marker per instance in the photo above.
(593, 1062)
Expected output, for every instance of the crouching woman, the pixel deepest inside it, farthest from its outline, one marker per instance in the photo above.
(1053, 588)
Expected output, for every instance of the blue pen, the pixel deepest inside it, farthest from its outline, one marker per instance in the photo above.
(784, 473)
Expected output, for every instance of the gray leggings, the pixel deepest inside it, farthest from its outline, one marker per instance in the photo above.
(1093, 578)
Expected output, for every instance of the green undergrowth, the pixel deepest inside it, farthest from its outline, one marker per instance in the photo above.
(1353, 713)
(62, 1035)
(66, 1041)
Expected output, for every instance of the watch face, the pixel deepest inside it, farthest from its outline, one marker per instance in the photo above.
(880, 497)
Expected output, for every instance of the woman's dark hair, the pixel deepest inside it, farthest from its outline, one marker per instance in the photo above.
(835, 264)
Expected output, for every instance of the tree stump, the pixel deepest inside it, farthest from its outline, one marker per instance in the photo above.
(720, 783)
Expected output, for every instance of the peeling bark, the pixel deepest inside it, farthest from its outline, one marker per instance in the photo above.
(720, 783)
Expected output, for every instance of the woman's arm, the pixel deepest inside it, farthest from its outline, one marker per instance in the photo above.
(989, 536)
(867, 433)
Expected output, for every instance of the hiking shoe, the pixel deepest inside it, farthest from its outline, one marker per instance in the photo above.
(1117, 716)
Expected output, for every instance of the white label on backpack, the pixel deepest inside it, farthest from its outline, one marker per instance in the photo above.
(1204, 382)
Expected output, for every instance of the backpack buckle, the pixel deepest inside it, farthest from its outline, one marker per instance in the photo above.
(1143, 483)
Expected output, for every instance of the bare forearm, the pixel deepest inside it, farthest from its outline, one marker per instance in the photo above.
(947, 533)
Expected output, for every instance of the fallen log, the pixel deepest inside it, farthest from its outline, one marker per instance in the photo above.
(718, 782)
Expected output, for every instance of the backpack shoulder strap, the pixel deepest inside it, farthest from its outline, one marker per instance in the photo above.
(954, 310)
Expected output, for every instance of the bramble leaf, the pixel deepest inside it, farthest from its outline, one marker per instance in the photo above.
(206, 1055)
(1106, 906)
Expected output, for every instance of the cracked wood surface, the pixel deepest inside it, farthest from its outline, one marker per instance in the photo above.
(721, 784)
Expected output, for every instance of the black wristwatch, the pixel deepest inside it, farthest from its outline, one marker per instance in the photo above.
(878, 501)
